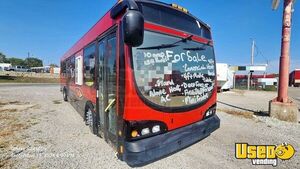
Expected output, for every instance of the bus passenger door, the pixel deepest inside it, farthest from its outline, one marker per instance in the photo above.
(101, 88)
(108, 115)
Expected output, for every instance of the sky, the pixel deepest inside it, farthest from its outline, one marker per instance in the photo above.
(48, 28)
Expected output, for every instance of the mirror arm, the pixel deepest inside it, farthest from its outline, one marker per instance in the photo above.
(125, 4)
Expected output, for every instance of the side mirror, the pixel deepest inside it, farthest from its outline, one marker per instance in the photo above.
(133, 28)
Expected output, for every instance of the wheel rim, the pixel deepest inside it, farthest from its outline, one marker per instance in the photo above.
(89, 118)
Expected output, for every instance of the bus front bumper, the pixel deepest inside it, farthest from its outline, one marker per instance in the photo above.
(145, 151)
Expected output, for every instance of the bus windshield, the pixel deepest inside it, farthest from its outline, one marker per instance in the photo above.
(173, 72)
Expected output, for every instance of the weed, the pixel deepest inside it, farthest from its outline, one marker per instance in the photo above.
(244, 114)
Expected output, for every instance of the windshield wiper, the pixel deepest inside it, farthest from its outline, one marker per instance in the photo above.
(171, 45)
(194, 49)
(162, 46)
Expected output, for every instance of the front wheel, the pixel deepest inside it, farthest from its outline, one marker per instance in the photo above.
(90, 116)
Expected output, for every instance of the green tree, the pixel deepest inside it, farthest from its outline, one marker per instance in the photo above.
(16, 61)
(53, 65)
(3, 58)
(33, 62)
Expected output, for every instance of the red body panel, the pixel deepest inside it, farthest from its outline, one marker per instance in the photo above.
(255, 76)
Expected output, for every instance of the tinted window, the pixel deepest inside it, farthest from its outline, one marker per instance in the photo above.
(181, 75)
(101, 80)
(63, 67)
(72, 68)
(89, 65)
(111, 74)
(68, 68)
(174, 19)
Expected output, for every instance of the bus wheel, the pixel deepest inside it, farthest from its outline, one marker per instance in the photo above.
(90, 118)
(65, 96)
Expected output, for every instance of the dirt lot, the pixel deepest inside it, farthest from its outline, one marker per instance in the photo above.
(39, 130)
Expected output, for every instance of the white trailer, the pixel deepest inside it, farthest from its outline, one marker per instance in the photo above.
(225, 77)
(5, 66)
(267, 81)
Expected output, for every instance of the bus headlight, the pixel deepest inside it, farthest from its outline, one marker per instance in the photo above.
(210, 112)
(156, 129)
(145, 131)
(136, 130)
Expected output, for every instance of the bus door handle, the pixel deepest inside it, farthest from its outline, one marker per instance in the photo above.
(110, 105)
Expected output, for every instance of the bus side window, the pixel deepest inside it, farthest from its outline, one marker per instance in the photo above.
(72, 67)
(78, 70)
(68, 69)
(101, 59)
(63, 68)
(89, 65)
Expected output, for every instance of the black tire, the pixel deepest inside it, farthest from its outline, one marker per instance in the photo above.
(90, 118)
(65, 95)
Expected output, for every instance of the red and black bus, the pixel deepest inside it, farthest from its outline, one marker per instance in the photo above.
(144, 79)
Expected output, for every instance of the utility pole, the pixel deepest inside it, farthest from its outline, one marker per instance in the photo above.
(252, 63)
(282, 107)
(285, 52)
(252, 52)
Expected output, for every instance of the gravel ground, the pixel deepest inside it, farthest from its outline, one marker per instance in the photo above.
(51, 134)
(252, 101)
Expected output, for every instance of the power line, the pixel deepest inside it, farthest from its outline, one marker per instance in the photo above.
(259, 52)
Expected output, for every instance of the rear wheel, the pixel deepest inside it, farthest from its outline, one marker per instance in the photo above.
(90, 119)
(65, 95)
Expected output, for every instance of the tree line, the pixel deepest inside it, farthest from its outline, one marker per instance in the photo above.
(28, 62)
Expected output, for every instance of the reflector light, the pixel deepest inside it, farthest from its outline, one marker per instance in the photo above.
(180, 8)
(134, 133)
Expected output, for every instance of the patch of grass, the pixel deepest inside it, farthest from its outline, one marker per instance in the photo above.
(35, 167)
(36, 106)
(15, 79)
(40, 142)
(10, 102)
(5, 116)
(11, 126)
(270, 89)
(57, 102)
(8, 110)
(17, 103)
(5, 162)
(243, 114)
(241, 92)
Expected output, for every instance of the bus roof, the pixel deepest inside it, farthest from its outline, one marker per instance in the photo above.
(104, 24)
(170, 6)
